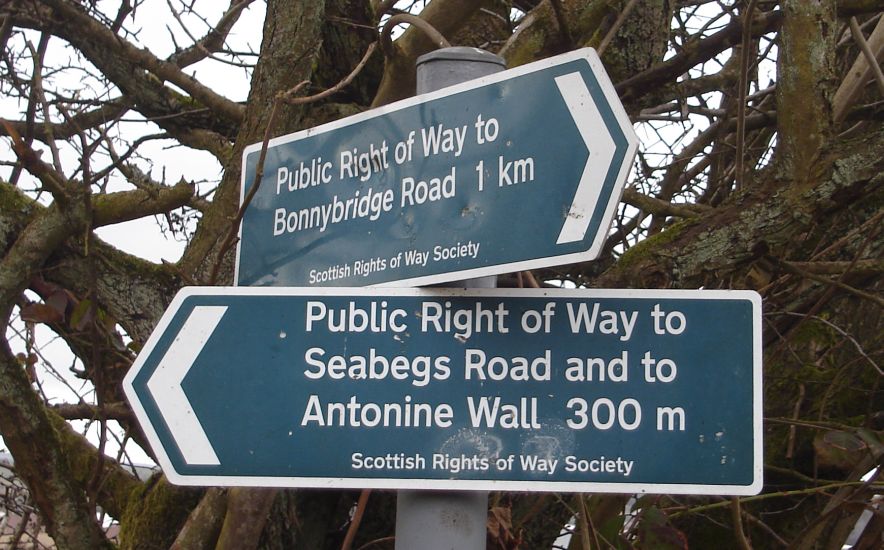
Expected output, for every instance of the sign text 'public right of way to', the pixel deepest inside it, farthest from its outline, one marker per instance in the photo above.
(517, 170)
(534, 390)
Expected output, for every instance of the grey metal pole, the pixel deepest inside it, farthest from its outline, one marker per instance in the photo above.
(447, 520)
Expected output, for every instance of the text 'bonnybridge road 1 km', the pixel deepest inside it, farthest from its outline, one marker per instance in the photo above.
(518, 170)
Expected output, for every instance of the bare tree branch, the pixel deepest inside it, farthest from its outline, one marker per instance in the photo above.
(213, 41)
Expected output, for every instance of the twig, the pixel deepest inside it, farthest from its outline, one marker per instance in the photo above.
(256, 182)
(767, 528)
(870, 225)
(870, 266)
(122, 13)
(780, 494)
(384, 6)
(867, 51)
(50, 179)
(840, 331)
(830, 291)
(659, 207)
(857, 76)
(374, 542)
(739, 169)
(213, 40)
(737, 517)
(529, 278)
(386, 34)
(559, 12)
(812, 424)
(616, 27)
(85, 411)
(793, 429)
(357, 519)
(798, 475)
(24, 520)
(37, 90)
(696, 51)
(289, 98)
(585, 523)
(795, 270)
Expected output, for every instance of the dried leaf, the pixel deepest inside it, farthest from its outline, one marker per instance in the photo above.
(61, 301)
(500, 530)
(839, 449)
(844, 441)
(41, 313)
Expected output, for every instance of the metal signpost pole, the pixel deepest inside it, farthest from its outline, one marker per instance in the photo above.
(447, 520)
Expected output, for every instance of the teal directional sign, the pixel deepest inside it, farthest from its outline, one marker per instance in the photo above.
(519, 170)
(538, 390)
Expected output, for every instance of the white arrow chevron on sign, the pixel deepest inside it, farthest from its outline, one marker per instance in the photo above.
(165, 385)
(601, 147)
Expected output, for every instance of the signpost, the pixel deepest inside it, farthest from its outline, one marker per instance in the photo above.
(492, 389)
(517, 170)
(452, 389)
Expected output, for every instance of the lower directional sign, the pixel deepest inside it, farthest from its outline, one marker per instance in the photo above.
(547, 390)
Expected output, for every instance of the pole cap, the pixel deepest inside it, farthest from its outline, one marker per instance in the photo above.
(461, 53)
(448, 66)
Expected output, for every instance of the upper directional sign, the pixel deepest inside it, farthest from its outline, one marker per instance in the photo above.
(518, 170)
(546, 390)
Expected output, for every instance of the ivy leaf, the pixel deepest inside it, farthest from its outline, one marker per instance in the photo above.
(655, 532)
(82, 315)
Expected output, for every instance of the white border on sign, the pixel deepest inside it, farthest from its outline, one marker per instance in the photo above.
(607, 87)
(460, 484)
